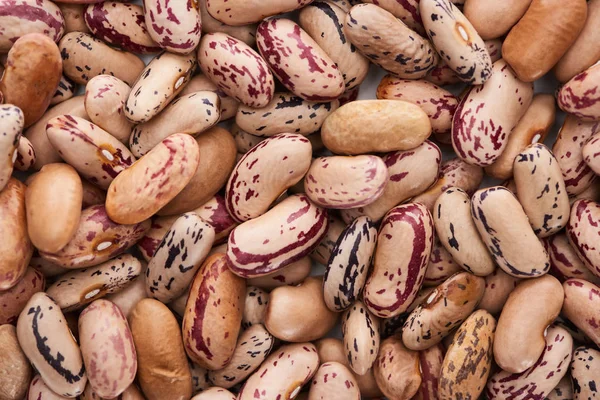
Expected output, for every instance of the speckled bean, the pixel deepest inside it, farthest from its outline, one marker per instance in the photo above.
(397, 370)
(245, 33)
(13, 300)
(494, 19)
(176, 27)
(403, 249)
(242, 12)
(148, 244)
(507, 234)
(498, 286)
(215, 213)
(580, 96)
(255, 307)
(441, 265)
(64, 373)
(25, 155)
(15, 370)
(85, 57)
(581, 307)
(215, 393)
(323, 251)
(564, 261)
(334, 381)
(131, 393)
(562, 391)
(38, 390)
(405, 10)
(360, 332)
(127, 297)
(73, 15)
(201, 83)
(65, 90)
(291, 274)
(582, 231)
(585, 370)
(11, 127)
(591, 153)
(430, 362)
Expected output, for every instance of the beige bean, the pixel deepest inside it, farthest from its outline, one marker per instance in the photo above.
(25, 155)
(323, 251)
(176, 27)
(214, 393)
(430, 362)
(13, 300)
(73, 15)
(200, 380)
(291, 274)
(163, 370)
(245, 33)
(578, 96)
(201, 83)
(141, 190)
(38, 390)
(334, 381)
(458, 234)
(406, 11)
(65, 90)
(104, 99)
(282, 374)
(86, 57)
(47, 268)
(397, 370)
(131, 393)
(242, 12)
(127, 297)
(255, 307)
(11, 126)
(507, 234)
(564, 260)
(498, 286)
(445, 308)
(154, 236)
(441, 265)
(590, 155)
(582, 232)
(494, 19)
(585, 370)
(64, 373)
(15, 370)
(367, 126)
(215, 213)
(581, 307)
(532, 128)
(360, 332)
(562, 391)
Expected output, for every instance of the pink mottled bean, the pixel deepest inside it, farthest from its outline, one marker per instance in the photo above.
(334, 381)
(430, 361)
(11, 125)
(582, 307)
(159, 227)
(582, 231)
(25, 155)
(73, 14)
(13, 300)
(215, 213)
(405, 10)
(581, 95)
(441, 266)
(564, 261)
(498, 286)
(323, 251)
(38, 390)
(292, 274)
(65, 90)
(175, 26)
(245, 33)
(242, 12)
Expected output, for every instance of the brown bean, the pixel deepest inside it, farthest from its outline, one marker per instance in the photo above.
(15, 370)
(73, 15)
(498, 286)
(494, 19)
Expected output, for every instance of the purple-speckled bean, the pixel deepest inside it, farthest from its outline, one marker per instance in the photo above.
(298, 62)
(582, 307)
(264, 172)
(283, 373)
(441, 265)
(11, 127)
(360, 331)
(215, 213)
(334, 381)
(201, 83)
(107, 348)
(94, 153)
(498, 286)
(430, 361)
(25, 155)
(582, 231)
(215, 393)
(97, 239)
(505, 230)
(403, 249)
(237, 69)
(581, 95)
(585, 371)
(343, 182)
(481, 127)
(120, 25)
(65, 90)
(154, 236)
(245, 33)
(48, 269)
(564, 261)
(292, 274)
(13, 300)
(286, 233)
(38, 390)
(175, 26)
(542, 377)
(591, 153)
(405, 10)
(105, 97)
(397, 370)
(242, 12)
(323, 251)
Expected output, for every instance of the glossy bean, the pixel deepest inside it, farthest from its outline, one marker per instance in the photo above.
(13, 300)
(15, 370)
(176, 27)
(579, 95)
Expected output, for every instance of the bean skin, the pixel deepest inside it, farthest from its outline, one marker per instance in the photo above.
(430, 361)
(397, 370)
(176, 27)
(16, 370)
(360, 332)
(581, 307)
(441, 266)
(585, 370)
(245, 33)
(579, 96)
(13, 300)
(407, 11)
(25, 155)
(582, 233)
(11, 127)
(333, 381)
(564, 260)
(242, 12)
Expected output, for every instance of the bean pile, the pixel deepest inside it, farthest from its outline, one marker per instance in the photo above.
(161, 234)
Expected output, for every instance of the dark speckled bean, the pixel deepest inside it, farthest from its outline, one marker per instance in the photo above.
(148, 244)
(201, 83)
(360, 331)
(582, 231)
(65, 90)
(405, 10)
(562, 391)
(585, 371)
(323, 251)
(591, 153)
(13, 300)
(25, 155)
(255, 307)
(397, 370)
(292, 274)
(334, 381)
(582, 307)
(215, 213)
(11, 127)
(175, 26)
(580, 96)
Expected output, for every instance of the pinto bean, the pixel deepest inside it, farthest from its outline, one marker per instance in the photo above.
(498, 286)
(85, 57)
(242, 12)
(564, 261)
(127, 297)
(11, 126)
(104, 99)
(154, 236)
(335, 382)
(493, 20)
(65, 90)
(201, 83)
(360, 331)
(541, 37)
(397, 370)
(406, 11)
(430, 363)
(215, 213)
(245, 33)
(13, 300)
(562, 391)
(15, 370)
(255, 307)
(73, 15)
(176, 27)
(291, 274)
(48, 269)
(582, 232)
(38, 390)
(441, 265)
(131, 393)
(581, 307)
(50, 346)
(589, 152)
(323, 251)
(507, 234)
(215, 393)
(25, 155)
(585, 370)
(578, 96)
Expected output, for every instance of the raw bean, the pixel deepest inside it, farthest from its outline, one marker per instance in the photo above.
(324, 21)
(158, 84)
(407, 11)
(75, 289)
(303, 67)
(542, 377)
(498, 286)
(579, 96)
(107, 348)
(398, 274)
(253, 347)
(468, 361)
(456, 40)
(154, 236)
(494, 19)
(506, 232)
(178, 257)
(528, 312)
(15, 246)
(97, 239)
(245, 33)
(564, 261)
(410, 173)
(322, 252)
(94, 153)
(582, 232)
(441, 265)
(242, 12)
(15, 370)
(176, 27)
(585, 370)
(48, 269)
(64, 373)
(237, 69)
(191, 114)
(445, 308)
(347, 269)
(284, 113)
(104, 99)
(163, 370)
(298, 313)
(21, 17)
(532, 128)
(214, 393)
(264, 172)
(73, 15)
(215, 213)
(578, 334)
(375, 32)
(217, 160)
(348, 95)
(141, 190)
(53, 203)
(563, 391)
(375, 126)
(13, 300)
(458, 234)
(25, 155)
(200, 380)
(333, 381)
(65, 90)
(38, 390)
(430, 362)
(11, 126)
(581, 307)
(481, 128)
(131, 393)
(127, 297)
(256, 249)
(36, 133)
(283, 373)
(120, 25)
(32, 74)
(85, 57)
(291, 274)
(392, 326)
(541, 37)
(343, 182)
(214, 309)
(438, 103)
(360, 331)
(568, 150)
(255, 307)
(397, 370)
(92, 195)
(590, 153)
(200, 83)
(585, 51)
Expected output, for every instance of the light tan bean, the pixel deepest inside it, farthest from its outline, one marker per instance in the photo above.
(562, 391)
(255, 307)
(38, 390)
(430, 362)
(334, 381)
(11, 126)
(128, 297)
(176, 27)
(105, 97)
(245, 33)
(492, 19)
(585, 370)
(15, 370)
(360, 331)
(65, 90)
(291, 274)
(214, 393)
(564, 260)
(13, 300)
(407, 11)
(73, 15)
(582, 231)
(131, 393)
(323, 251)
(242, 12)
(201, 83)
(578, 96)
(397, 370)
(498, 286)
(441, 265)
(581, 305)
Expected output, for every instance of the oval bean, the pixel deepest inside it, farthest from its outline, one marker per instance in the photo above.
(73, 15)
(245, 33)
(127, 297)
(581, 305)
(585, 370)
(11, 127)
(335, 382)
(406, 11)
(14, 366)
(242, 12)
(13, 300)
(255, 307)
(492, 19)
(582, 232)
(441, 265)
(201, 83)
(176, 27)
(579, 95)
(65, 90)
(291, 274)
(564, 261)
(360, 332)
(498, 286)
(26, 155)
(397, 370)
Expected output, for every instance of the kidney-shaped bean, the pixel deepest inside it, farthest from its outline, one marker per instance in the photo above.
(25, 155)
(291, 274)
(564, 260)
(441, 266)
(406, 11)
(581, 96)
(585, 371)
(242, 12)
(498, 286)
(11, 126)
(334, 381)
(397, 370)
(13, 300)
(582, 307)
(176, 27)
(245, 33)
(360, 331)
(582, 231)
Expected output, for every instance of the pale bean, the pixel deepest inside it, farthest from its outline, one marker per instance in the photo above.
(498, 286)
(494, 19)
(242, 12)
(13, 300)
(333, 381)
(215, 393)
(562, 391)
(291, 274)
(38, 390)
(564, 261)
(65, 90)
(176, 27)
(397, 370)
(582, 307)
(26, 155)
(255, 307)
(245, 33)
(579, 95)
(11, 127)
(585, 370)
(127, 297)
(15, 370)
(360, 332)
(73, 15)
(582, 231)
(441, 265)
(407, 11)
(201, 83)
(430, 362)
